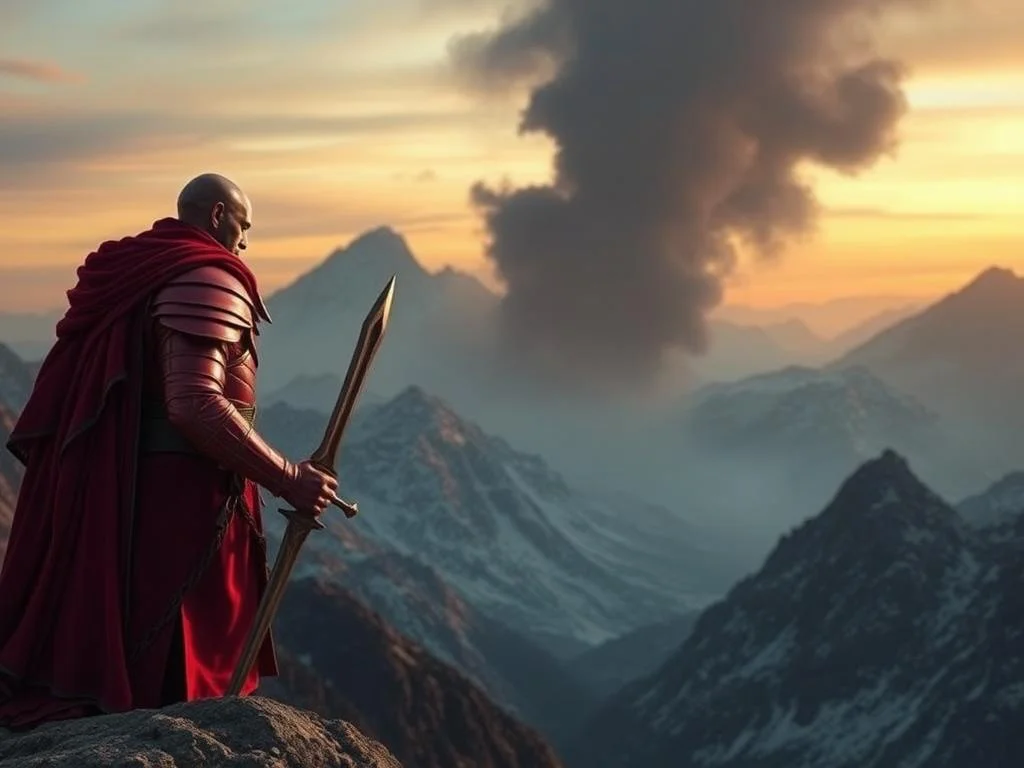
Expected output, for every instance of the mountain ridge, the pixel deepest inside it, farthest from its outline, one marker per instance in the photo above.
(961, 357)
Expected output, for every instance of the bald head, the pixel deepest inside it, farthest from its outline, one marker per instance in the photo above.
(218, 206)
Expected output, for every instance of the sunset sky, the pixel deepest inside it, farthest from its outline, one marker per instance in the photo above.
(340, 116)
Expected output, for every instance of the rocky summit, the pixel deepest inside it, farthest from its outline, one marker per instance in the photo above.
(251, 732)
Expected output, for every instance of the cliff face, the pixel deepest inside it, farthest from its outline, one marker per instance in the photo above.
(341, 659)
(251, 732)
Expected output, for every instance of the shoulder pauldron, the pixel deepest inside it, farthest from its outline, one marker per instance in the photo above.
(206, 302)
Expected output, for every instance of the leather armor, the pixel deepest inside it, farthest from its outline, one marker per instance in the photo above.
(200, 391)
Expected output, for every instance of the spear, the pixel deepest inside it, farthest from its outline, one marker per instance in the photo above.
(301, 522)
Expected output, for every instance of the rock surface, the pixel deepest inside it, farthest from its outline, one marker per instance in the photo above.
(240, 732)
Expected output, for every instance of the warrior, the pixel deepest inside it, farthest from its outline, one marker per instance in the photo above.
(136, 558)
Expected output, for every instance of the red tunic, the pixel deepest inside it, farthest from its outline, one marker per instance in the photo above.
(183, 642)
(104, 603)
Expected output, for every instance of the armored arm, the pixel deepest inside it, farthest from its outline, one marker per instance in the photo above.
(198, 316)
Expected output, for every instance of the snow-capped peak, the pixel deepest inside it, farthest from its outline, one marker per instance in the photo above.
(381, 248)
(876, 635)
(507, 532)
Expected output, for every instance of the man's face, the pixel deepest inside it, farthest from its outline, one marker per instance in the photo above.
(230, 222)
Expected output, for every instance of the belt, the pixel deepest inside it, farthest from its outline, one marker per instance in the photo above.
(158, 435)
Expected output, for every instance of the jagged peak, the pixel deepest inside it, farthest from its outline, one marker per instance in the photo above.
(994, 276)
(882, 494)
(365, 263)
(382, 235)
(416, 398)
(989, 290)
(414, 415)
(415, 411)
(883, 484)
(383, 247)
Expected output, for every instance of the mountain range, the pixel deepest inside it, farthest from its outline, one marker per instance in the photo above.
(508, 533)
(693, 453)
(441, 339)
(741, 349)
(855, 317)
(882, 633)
(451, 309)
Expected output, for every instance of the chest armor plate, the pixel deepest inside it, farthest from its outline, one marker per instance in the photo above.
(157, 434)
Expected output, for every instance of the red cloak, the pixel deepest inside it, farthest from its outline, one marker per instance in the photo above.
(101, 542)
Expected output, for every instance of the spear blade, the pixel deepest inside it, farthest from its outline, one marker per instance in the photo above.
(300, 523)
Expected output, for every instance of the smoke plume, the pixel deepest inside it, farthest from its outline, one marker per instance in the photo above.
(679, 127)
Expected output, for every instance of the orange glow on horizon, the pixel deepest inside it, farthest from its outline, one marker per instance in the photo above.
(374, 134)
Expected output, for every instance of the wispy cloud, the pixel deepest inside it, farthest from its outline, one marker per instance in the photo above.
(44, 143)
(233, 23)
(39, 71)
(869, 213)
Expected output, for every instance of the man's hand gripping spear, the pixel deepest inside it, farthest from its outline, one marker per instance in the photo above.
(300, 522)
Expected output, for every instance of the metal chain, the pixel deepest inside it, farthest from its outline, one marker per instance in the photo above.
(235, 503)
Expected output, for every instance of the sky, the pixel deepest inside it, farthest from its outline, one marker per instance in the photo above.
(340, 117)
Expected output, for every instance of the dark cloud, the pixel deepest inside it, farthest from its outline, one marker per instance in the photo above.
(679, 126)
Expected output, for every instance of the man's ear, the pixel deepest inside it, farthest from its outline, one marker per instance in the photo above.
(217, 215)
